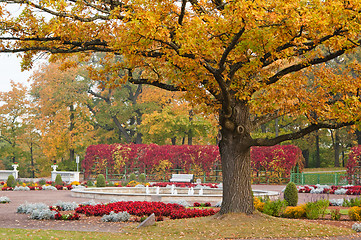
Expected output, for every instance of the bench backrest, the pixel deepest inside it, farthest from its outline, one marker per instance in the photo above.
(185, 176)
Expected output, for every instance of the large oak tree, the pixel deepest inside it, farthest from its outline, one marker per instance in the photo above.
(244, 59)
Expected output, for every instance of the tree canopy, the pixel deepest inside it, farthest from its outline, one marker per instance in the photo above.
(246, 60)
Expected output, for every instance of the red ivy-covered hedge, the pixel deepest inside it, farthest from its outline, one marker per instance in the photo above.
(353, 162)
(147, 156)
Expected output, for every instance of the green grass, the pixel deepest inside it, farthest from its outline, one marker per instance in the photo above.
(342, 211)
(227, 226)
(305, 170)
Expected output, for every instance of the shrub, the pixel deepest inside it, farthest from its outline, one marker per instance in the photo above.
(58, 180)
(356, 227)
(132, 184)
(258, 204)
(314, 209)
(295, 212)
(28, 208)
(100, 181)
(353, 202)
(132, 177)
(4, 199)
(76, 183)
(66, 206)
(291, 194)
(275, 208)
(89, 183)
(335, 214)
(43, 214)
(355, 213)
(21, 188)
(11, 181)
(142, 178)
(49, 188)
(116, 217)
(42, 182)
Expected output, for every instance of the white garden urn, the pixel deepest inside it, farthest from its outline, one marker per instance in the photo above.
(54, 167)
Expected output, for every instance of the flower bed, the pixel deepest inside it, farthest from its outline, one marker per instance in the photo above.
(341, 190)
(165, 184)
(173, 211)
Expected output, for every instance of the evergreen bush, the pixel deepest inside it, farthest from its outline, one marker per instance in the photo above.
(132, 177)
(89, 183)
(291, 194)
(11, 181)
(142, 178)
(58, 180)
(100, 180)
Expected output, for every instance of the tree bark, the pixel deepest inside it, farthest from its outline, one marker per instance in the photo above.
(306, 156)
(317, 157)
(236, 161)
(358, 136)
(336, 147)
(32, 161)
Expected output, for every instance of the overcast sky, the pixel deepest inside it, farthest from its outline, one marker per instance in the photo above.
(10, 70)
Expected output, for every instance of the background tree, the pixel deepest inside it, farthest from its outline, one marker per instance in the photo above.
(243, 59)
(62, 115)
(13, 113)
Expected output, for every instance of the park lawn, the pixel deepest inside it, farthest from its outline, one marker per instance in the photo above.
(228, 226)
(329, 169)
(343, 211)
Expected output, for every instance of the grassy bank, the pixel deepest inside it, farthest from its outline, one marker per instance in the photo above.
(229, 226)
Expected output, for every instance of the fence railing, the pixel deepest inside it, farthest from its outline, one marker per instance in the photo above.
(258, 177)
(215, 177)
(319, 178)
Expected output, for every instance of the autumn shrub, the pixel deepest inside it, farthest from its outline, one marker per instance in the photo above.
(58, 180)
(142, 178)
(352, 165)
(132, 177)
(76, 183)
(157, 160)
(354, 213)
(295, 212)
(132, 183)
(100, 181)
(291, 194)
(258, 204)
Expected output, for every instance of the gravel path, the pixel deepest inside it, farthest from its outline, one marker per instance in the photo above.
(10, 219)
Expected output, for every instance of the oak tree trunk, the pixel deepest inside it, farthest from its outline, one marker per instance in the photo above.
(236, 161)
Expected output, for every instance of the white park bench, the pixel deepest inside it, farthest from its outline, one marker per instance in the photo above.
(181, 178)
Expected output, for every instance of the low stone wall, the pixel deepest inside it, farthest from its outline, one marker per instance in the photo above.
(212, 196)
(4, 174)
(65, 176)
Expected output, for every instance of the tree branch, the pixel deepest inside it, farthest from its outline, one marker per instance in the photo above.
(300, 66)
(229, 48)
(60, 14)
(298, 134)
(182, 13)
